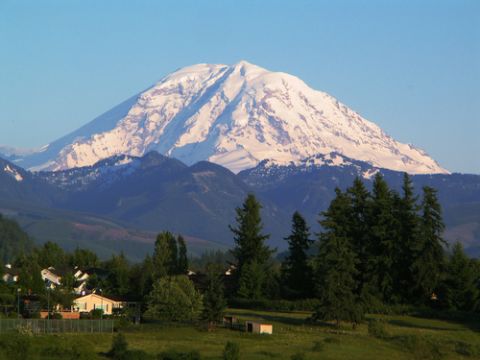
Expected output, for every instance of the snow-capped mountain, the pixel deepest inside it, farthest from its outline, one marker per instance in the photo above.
(235, 116)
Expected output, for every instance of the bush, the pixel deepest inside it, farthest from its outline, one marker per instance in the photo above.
(119, 348)
(318, 346)
(177, 355)
(96, 313)
(56, 316)
(376, 328)
(231, 351)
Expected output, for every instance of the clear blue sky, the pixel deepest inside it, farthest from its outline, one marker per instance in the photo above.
(413, 67)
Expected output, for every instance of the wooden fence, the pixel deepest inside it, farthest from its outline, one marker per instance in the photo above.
(45, 326)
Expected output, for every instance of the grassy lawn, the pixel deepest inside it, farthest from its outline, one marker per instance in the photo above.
(407, 338)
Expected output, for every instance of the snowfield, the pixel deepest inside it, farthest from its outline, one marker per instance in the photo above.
(235, 116)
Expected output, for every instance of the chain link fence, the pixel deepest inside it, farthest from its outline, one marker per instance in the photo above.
(45, 326)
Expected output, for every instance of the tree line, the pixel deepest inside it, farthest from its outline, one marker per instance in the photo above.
(376, 249)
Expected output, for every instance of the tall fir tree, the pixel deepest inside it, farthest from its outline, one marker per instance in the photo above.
(182, 256)
(296, 270)
(429, 259)
(358, 229)
(250, 248)
(383, 235)
(336, 271)
(409, 231)
(214, 302)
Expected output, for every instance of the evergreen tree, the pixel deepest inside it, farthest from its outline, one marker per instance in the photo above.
(162, 255)
(250, 248)
(409, 227)
(429, 261)
(461, 288)
(296, 271)
(383, 235)
(182, 256)
(336, 265)
(358, 230)
(214, 302)
(252, 281)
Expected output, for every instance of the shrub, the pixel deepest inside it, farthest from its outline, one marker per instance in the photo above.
(96, 313)
(318, 346)
(119, 348)
(56, 316)
(376, 328)
(231, 351)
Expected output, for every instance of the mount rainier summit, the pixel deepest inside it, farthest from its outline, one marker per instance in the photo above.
(235, 116)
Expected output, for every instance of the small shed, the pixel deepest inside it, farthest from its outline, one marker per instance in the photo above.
(258, 328)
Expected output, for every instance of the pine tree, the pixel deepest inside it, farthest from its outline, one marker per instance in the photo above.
(461, 288)
(358, 229)
(182, 256)
(252, 281)
(409, 227)
(383, 235)
(296, 271)
(429, 259)
(336, 265)
(214, 302)
(250, 245)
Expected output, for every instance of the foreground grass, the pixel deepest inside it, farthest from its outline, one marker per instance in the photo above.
(406, 338)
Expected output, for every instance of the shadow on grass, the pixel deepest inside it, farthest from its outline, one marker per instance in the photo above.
(467, 319)
(408, 324)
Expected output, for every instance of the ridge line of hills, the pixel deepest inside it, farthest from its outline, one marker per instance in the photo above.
(122, 201)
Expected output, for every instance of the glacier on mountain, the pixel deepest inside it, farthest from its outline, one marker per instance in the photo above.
(235, 116)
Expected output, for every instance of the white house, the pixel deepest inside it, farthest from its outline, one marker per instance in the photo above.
(94, 301)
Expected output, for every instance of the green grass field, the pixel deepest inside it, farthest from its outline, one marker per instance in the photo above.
(407, 338)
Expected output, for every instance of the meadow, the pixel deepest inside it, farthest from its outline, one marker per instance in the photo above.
(395, 337)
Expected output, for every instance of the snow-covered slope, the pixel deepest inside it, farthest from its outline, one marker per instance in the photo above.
(235, 116)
